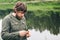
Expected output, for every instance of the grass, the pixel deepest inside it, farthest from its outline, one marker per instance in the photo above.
(42, 6)
(6, 6)
(7, 1)
(33, 6)
(39, 8)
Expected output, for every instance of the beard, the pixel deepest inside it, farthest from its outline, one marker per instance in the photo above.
(19, 18)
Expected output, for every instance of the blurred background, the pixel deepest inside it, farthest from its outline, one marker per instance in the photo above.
(43, 17)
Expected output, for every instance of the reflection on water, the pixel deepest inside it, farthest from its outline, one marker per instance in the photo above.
(37, 34)
(45, 35)
(50, 21)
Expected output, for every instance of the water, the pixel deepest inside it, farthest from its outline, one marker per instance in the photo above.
(45, 35)
(36, 34)
(0, 28)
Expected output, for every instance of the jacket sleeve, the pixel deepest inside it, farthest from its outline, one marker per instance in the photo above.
(5, 34)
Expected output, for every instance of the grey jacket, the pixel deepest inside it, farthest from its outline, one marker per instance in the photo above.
(11, 26)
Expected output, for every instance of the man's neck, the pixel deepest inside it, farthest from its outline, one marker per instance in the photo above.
(18, 17)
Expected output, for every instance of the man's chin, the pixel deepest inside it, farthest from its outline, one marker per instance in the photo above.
(20, 17)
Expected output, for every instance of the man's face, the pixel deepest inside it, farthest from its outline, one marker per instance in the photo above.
(20, 14)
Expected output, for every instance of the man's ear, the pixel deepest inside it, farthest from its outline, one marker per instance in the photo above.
(15, 10)
(14, 14)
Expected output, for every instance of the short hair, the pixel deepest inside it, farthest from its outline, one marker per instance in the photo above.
(20, 6)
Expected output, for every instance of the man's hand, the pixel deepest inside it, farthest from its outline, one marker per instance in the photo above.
(28, 34)
(23, 33)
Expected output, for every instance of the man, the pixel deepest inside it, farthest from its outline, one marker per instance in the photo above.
(14, 25)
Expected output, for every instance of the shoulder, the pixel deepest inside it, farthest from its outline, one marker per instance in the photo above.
(6, 18)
